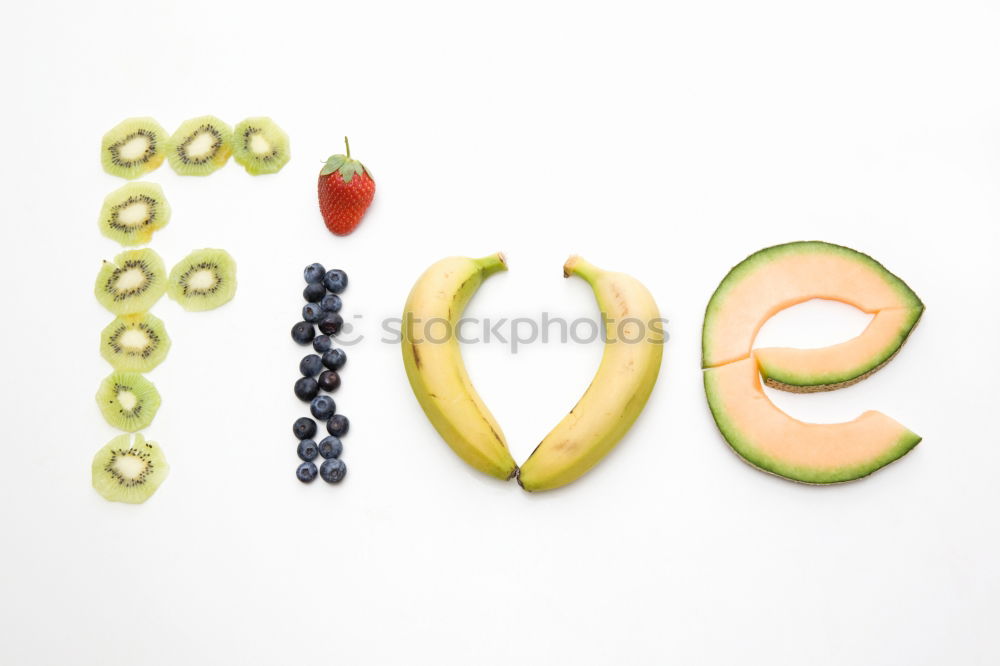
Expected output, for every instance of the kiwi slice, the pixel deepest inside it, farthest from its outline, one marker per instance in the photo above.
(133, 212)
(200, 146)
(131, 283)
(133, 147)
(128, 400)
(203, 280)
(260, 146)
(135, 343)
(129, 471)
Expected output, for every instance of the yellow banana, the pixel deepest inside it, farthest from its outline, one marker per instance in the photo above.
(434, 364)
(624, 380)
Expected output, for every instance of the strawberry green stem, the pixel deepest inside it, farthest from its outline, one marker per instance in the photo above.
(347, 144)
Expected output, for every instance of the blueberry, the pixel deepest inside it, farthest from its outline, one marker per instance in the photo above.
(306, 388)
(308, 449)
(332, 470)
(310, 365)
(330, 447)
(314, 293)
(303, 332)
(322, 343)
(306, 473)
(322, 407)
(335, 281)
(314, 273)
(312, 313)
(335, 359)
(304, 428)
(331, 323)
(331, 303)
(338, 425)
(329, 380)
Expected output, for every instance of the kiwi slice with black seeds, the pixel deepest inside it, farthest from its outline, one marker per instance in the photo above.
(133, 212)
(129, 471)
(132, 283)
(133, 147)
(200, 146)
(135, 343)
(203, 280)
(128, 400)
(260, 146)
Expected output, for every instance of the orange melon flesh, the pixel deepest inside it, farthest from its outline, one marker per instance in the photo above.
(806, 370)
(770, 439)
(785, 275)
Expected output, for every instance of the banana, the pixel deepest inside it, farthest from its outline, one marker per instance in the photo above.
(434, 364)
(628, 371)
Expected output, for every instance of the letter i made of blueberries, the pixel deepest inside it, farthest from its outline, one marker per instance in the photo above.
(320, 375)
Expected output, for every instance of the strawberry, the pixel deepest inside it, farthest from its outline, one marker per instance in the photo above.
(346, 189)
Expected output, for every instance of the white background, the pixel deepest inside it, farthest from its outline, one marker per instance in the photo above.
(668, 140)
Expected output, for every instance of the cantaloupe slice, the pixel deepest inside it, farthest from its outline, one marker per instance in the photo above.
(837, 366)
(771, 440)
(784, 275)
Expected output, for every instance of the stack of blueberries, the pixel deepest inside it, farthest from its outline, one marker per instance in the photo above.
(319, 372)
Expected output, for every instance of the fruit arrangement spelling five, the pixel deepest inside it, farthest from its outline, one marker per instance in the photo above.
(130, 468)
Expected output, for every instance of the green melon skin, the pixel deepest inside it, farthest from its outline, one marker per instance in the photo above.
(797, 382)
(744, 447)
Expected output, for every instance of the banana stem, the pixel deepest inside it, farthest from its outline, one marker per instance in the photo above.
(577, 265)
(492, 264)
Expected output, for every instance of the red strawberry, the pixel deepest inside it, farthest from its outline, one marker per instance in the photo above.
(346, 189)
